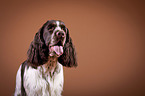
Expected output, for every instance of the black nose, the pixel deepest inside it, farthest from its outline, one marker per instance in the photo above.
(60, 34)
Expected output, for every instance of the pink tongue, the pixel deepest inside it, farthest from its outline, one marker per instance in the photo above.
(58, 50)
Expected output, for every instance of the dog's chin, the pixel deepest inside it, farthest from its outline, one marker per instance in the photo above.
(56, 51)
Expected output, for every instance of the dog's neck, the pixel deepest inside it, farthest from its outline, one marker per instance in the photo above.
(51, 66)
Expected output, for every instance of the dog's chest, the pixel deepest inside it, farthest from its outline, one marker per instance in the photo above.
(45, 82)
(55, 83)
(53, 79)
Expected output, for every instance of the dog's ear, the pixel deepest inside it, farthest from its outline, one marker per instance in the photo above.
(38, 51)
(68, 58)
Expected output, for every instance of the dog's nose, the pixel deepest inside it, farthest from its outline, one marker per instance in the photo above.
(60, 34)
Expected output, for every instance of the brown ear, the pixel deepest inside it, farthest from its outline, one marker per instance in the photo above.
(68, 58)
(38, 51)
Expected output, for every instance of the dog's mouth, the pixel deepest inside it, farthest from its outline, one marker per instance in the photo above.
(56, 49)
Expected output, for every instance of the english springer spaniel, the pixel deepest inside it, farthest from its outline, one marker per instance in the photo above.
(42, 73)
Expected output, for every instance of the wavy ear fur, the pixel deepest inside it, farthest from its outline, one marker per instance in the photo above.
(38, 51)
(68, 58)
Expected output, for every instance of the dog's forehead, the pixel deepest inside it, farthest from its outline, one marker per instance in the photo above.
(56, 22)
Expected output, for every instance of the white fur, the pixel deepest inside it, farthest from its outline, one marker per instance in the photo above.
(57, 26)
(42, 81)
(18, 82)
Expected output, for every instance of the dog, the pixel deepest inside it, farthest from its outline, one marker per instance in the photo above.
(42, 73)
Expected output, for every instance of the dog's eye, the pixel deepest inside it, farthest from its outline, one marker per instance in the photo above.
(62, 27)
(51, 27)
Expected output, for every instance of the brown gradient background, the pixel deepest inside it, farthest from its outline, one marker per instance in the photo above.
(109, 37)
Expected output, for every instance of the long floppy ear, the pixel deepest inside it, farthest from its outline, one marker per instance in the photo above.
(68, 58)
(38, 51)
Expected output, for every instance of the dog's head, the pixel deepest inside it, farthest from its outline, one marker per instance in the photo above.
(52, 40)
(54, 35)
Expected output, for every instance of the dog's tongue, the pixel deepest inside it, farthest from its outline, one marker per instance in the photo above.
(58, 50)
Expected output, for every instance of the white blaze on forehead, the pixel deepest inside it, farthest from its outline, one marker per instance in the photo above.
(57, 23)
(57, 26)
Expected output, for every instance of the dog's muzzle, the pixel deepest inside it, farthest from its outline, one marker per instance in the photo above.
(57, 47)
